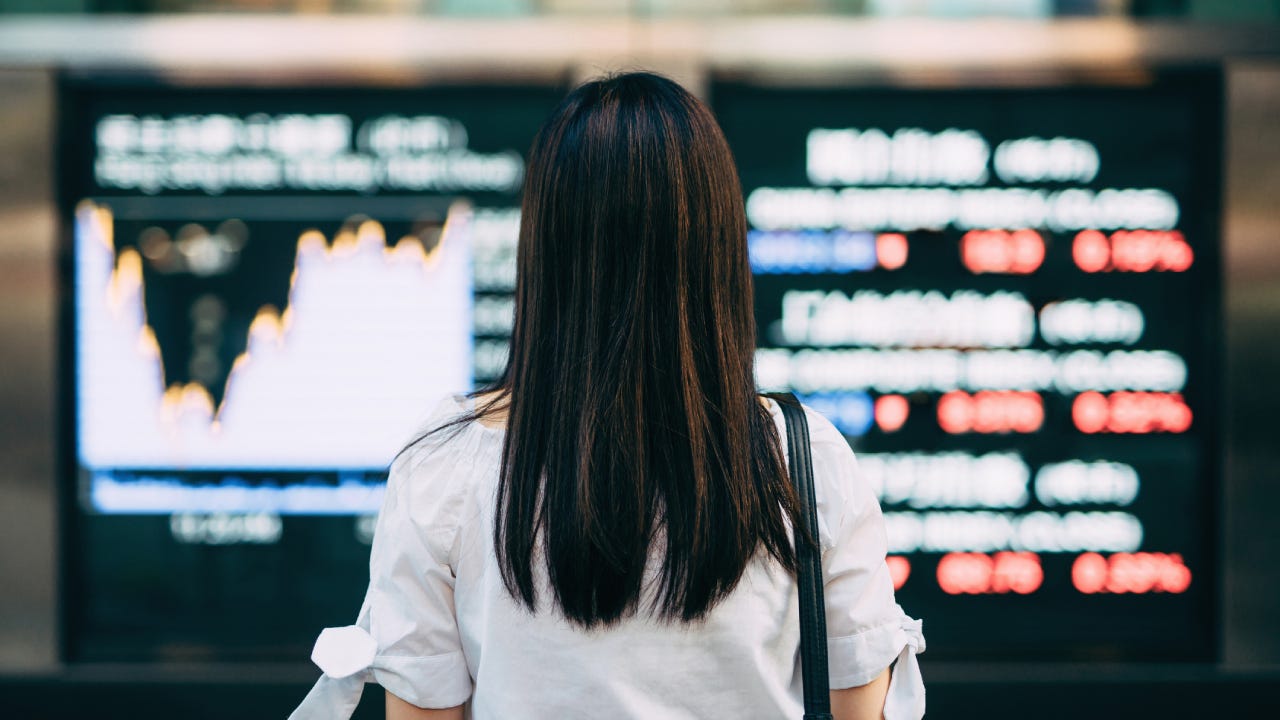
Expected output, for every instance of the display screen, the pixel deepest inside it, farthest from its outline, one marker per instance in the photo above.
(1008, 301)
(271, 290)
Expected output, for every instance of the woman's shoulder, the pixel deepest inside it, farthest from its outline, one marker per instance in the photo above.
(447, 456)
(450, 423)
(825, 441)
(842, 492)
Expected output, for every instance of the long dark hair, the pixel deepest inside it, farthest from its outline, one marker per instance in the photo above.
(632, 412)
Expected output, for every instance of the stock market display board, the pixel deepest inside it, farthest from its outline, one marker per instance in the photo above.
(1008, 301)
(271, 288)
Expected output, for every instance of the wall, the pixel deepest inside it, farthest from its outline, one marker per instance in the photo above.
(27, 366)
(1252, 304)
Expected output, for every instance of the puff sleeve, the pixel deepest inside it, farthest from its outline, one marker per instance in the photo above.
(867, 630)
(406, 636)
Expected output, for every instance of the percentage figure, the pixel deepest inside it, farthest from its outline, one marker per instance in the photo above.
(891, 250)
(1132, 251)
(980, 574)
(1139, 573)
(990, 411)
(1131, 412)
(1019, 252)
(891, 412)
(899, 570)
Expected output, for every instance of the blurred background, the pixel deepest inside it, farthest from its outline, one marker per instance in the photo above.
(1021, 252)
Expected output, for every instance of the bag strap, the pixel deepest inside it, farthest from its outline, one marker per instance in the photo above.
(813, 618)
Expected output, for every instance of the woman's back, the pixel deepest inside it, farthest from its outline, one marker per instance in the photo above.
(740, 660)
(621, 545)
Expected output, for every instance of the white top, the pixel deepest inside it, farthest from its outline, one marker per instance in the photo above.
(438, 628)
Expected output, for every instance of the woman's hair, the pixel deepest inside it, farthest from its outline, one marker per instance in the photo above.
(632, 413)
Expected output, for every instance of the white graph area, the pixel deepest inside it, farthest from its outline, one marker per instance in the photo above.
(371, 339)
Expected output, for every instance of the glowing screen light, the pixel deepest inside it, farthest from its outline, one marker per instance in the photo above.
(1026, 368)
(333, 382)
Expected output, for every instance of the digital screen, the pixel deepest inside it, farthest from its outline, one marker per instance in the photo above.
(271, 289)
(1008, 301)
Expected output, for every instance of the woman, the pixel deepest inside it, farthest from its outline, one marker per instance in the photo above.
(605, 533)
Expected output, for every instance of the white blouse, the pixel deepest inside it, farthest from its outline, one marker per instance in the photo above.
(438, 628)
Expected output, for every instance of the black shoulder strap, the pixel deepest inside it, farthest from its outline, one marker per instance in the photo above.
(813, 619)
